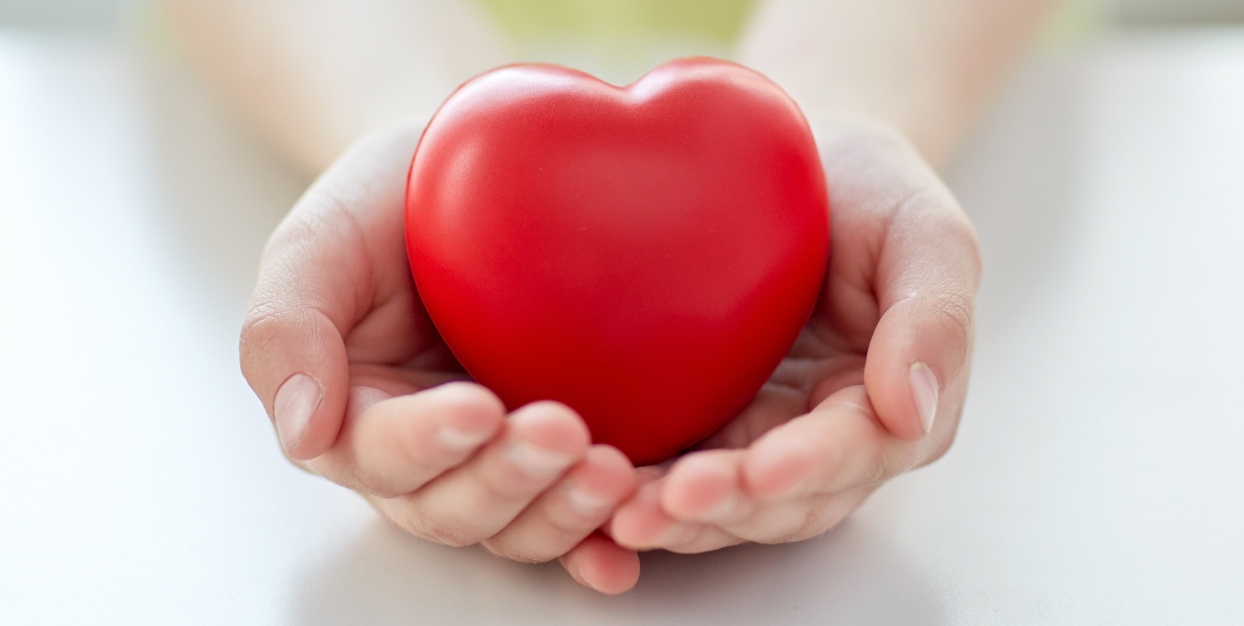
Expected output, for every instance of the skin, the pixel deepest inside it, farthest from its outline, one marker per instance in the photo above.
(336, 302)
(839, 416)
(336, 314)
(363, 392)
(313, 77)
(926, 68)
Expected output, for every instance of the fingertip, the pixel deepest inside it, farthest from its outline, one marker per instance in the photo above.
(640, 522)
(700, 483)
(466, 409)
(605, 470)
(916, 348)
(784, 462)
(551, 425)
(598, 483)
(600, 564)
(307, 417)
(295, 362)
(609, 456)
(296, 402)
(464, 392)
(450, 419)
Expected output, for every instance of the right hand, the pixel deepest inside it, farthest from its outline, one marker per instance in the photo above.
(363, 391)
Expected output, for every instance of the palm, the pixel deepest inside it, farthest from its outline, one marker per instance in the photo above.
(396, 350)
(840, 414)
(816, 368)
(390, 342)
(853, 403)
(830, 353)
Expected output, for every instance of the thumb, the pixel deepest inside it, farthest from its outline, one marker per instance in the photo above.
(926, 284)
(312, 280)
(317, 279)
(295, 360)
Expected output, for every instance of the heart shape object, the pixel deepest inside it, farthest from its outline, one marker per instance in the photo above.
(646, 255)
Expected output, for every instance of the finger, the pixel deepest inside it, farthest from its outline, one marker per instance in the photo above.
(318, 277)
(902, 278)
(599, 563)
(704, 487)
(567, 513)
(840, 445)
(794, 519)
(539, 442)
(395, 446)
(926, 281)
(707, 487)
(642, 523)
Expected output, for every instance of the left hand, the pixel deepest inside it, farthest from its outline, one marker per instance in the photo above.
(363, 391)
(872, 388)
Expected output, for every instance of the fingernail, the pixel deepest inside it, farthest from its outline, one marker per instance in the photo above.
(583, 577)
(296, 401)
(723, 510)
(535, 461)
(586, 503)
(456, 440)
(924, 389)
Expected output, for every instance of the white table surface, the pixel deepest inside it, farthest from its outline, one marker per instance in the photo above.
(1098, 476)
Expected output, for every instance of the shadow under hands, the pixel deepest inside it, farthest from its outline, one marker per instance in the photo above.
(388, 577)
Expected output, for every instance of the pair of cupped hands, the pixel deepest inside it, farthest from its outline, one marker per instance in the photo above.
(363, 391)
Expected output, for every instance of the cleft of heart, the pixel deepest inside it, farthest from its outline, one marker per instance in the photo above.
(645, 254)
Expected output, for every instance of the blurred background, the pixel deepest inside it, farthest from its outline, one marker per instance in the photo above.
(105, 16)
(531, 30)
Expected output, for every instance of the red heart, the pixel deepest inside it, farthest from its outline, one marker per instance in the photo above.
(646, 255)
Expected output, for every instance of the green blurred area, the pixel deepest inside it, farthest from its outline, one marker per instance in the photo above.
(527, 20)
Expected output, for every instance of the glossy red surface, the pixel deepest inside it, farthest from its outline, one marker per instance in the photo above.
(646, 255)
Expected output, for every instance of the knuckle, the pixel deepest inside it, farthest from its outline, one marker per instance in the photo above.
(878, 472)
(820, 514)
(352, 477)
(259, 329)
(409, 517)
(804, 523)
(956, 311)
(568, 524)
(954, 314)
(506, 484)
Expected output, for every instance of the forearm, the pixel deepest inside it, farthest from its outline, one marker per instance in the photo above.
(314, 76)
(925, 67)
